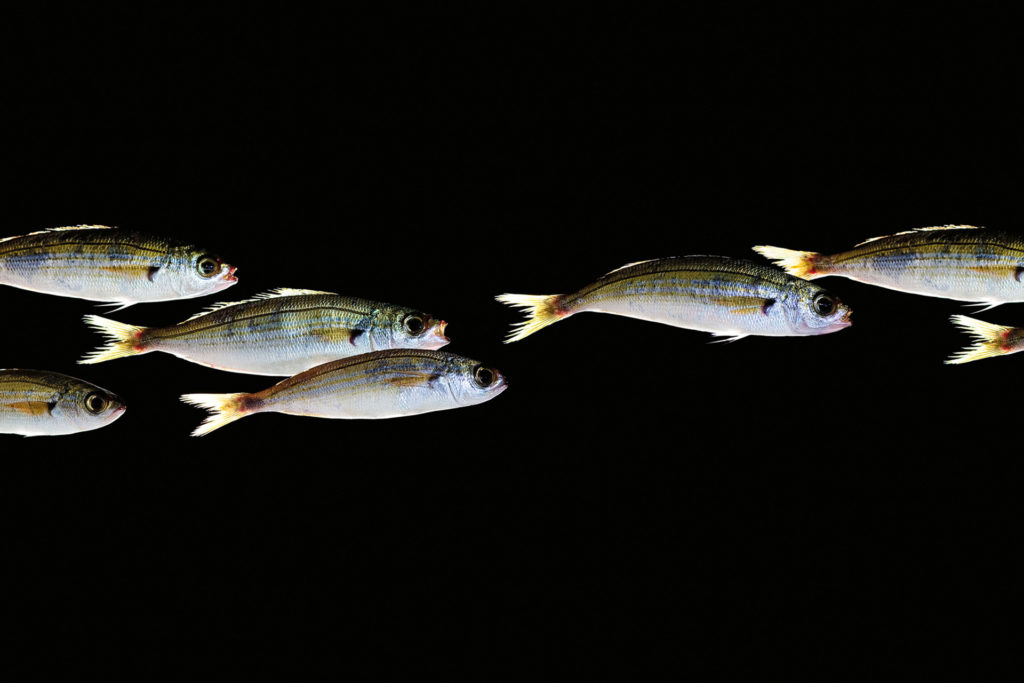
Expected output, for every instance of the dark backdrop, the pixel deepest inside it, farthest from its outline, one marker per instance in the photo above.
(633, 475)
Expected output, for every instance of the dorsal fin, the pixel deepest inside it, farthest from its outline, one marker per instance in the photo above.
(69, 227)
(910, 232)
(272, 294)
(630, 265)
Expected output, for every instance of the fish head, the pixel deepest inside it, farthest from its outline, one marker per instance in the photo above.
(87, 407)
(818, 312)
(416, 330)
(472, 382)
(198, 272)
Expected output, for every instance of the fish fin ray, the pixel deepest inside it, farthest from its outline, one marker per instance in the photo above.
(122, 340)
(62, 229)
(271, 294)
(541, 311)
(224, 409)
(928, 229)
(988, 344)
(727, 337)
(798, 263)
(31, 407)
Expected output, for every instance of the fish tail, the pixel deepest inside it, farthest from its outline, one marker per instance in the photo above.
(124, 340)
(803, 264)
(541, 310)
(991, 340)
(224, 409)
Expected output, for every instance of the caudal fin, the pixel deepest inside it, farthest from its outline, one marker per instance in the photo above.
(124, 340)
(541, 311)
(991, 340)
(224, 408)
(803, 264)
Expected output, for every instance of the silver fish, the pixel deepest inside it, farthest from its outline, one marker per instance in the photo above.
(280, 332)
(725, 296)
(376, 385)
(43, 403)
(105, 264)
(959, 262)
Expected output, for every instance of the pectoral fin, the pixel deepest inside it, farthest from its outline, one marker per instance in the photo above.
(36, 408)
(413, 379)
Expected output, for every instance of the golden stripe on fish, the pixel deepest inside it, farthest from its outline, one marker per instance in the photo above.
(724, 296)
(958, 262)
(991, 340)
(280, 332)
(43, 403)
(376, 385)
(100, 263)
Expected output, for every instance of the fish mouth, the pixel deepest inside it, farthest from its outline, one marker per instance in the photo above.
(230, 276)
(438, 332)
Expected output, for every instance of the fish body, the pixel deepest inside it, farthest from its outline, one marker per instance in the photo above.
(957, 262)
(281, 332)
(376, 385)
(104, 264)
(990, 340)
(43, 403)
(725, 296)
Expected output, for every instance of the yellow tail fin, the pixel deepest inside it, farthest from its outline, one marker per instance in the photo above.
(224, 408)
(124, 340)
(802, 264)
(990, 340)
(541, 311)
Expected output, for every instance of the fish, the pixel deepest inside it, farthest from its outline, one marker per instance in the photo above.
(727, 297)
(109, 265)
(375, 385)
(959, 262)
(44, 403)
(280, 332)
(992, 340)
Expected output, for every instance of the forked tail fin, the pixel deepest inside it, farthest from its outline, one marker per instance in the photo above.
(803, 264)
(224, 409)
(124, 340)
(991, 340)
(541, 311)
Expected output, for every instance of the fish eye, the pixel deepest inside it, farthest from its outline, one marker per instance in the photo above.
(824, 304)
(484, 376)
(96, 403)
(414, 324)
(207, 266)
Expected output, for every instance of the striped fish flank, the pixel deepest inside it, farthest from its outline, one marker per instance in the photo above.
(280, 332)
(44, 403)
(959, 262)
(100, 263)
(376, 385)
(724, 296)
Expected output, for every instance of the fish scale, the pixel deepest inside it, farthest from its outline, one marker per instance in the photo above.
(957, 262)
(376, 385)
(717, 294)
(280, 332)
(44, 403)
(105, 264)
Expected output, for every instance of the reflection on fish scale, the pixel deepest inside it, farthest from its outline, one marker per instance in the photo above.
(728, 297)
(106, 264)
(44, 403)
(376, 385)
(959, 262)
(280, 332)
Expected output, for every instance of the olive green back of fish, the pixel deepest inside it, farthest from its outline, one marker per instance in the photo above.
(39, 402)
(111, 265)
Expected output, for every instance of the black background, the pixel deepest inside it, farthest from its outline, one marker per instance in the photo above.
(634, 478)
